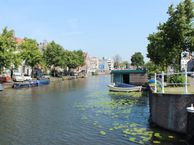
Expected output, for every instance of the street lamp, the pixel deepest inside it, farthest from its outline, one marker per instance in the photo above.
(185, 55)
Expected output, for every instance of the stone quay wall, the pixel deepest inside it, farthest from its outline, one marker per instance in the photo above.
(169, 110)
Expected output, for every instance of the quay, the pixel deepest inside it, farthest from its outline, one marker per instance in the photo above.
(169, 111)
(10, 84)
(172, 110)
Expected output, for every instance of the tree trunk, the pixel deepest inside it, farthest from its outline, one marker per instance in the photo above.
(54, 72)
(11, 72)
(32, 73)
(1, 70)
(179, 65)
(69, 71)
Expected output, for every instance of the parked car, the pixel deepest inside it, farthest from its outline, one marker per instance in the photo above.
(18, 77)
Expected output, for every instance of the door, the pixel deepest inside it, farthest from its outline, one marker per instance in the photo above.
(126, 78)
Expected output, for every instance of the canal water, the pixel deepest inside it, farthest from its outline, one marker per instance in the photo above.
(78, 112)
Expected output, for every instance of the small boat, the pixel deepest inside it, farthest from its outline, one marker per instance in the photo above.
(1, 87)
(28, 84)
(43, 82)
(121, 87)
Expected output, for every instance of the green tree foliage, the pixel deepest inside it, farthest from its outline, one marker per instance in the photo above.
(177, 80)
(74, 58)
(174, 36)
(54, 55)
(137, 59)
(155, 48)
(7, 48)
(81, 57)
(152, 68)
(30, 53)
(17, 59)
(72, 61)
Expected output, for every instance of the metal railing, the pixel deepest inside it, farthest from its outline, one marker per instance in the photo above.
(161, 76)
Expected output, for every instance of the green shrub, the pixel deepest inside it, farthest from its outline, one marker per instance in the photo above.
(177, 80)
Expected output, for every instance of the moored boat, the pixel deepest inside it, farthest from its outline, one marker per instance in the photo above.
(43, 82)
(1, 87)
(127, 80)
(28, 84)
(124, 88)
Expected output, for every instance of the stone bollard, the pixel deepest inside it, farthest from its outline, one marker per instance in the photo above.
(190, 123)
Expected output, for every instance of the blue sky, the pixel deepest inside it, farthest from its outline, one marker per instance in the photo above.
(103, 28)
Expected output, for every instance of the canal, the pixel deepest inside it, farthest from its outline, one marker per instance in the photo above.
(78, 112)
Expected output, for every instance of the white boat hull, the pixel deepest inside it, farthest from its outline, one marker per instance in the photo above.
(124, 89)
(1, 87)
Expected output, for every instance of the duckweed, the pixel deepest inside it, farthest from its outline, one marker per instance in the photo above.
(156, 142)
(102, 132)
(118, 110)
(171, 137)
(157, 135)
(133, 139)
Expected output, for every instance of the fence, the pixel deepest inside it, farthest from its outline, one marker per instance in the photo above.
(159, 78)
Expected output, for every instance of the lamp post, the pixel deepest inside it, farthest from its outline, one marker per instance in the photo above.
(186, 89)
(185, 55)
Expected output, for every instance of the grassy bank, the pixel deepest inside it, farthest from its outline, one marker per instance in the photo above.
(178, 90)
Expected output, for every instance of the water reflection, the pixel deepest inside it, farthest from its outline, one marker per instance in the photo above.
(78, 112)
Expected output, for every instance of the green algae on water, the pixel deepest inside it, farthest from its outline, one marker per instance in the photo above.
(102, 132)
(170, 136)
(156, 142)
(133, 139)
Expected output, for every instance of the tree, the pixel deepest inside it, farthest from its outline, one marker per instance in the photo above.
(152, 68)
(74, 58)
(117, 60)
(155, 49)
(7, 48)
(173, 37)
(30, 53)
(137, 59)
(17, 59)
(72, 61)
(81, 57)
(54, 56)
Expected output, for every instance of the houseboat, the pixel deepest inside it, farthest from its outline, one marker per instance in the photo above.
(127, 80)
